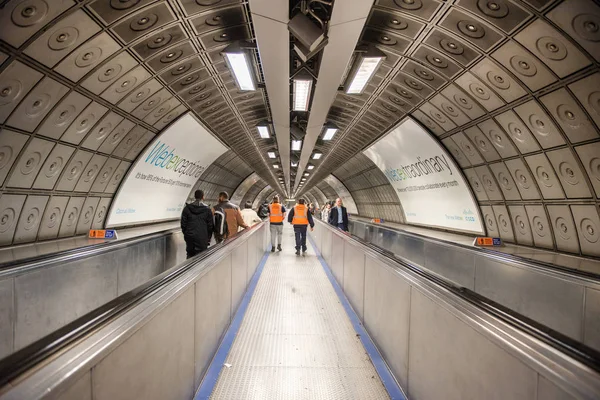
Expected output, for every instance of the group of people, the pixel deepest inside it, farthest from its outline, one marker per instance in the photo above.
(199, 222)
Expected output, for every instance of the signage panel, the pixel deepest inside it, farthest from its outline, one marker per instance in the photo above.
(428, 183)
(158, 184)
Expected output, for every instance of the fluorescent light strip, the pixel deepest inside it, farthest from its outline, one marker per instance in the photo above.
(306, 174)
(302, 89)
(271, 154)
(241, 70)
(329, 133)
(294, 164)
(296, 145)
(263, 131)
(367, 68)
(275, 166)
(310, 167)
(317, 156)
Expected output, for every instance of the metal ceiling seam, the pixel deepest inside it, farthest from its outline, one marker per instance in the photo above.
(348, 19)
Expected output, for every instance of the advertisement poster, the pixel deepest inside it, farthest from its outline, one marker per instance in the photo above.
(429, 185)
(160, 181)
(343, 193)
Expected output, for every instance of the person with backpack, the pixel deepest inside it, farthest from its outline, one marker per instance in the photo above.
(263, 210)
(196, 225)
(228, 218)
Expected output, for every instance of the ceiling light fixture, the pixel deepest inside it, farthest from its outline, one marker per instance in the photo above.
(306, 174)
(238, 60)
(296, 145)
(294, 164)
(363, 70)
(302, 87)
(263, 130)
(330, 131)
(310, 167)
(276, 166)
(317, 156)
(271, 154)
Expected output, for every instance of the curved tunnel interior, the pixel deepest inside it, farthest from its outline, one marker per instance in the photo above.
(510, 89)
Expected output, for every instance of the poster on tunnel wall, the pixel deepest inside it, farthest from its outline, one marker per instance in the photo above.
(160, 181)
(429, 185)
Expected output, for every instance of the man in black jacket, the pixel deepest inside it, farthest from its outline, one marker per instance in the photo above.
(197, 225)
(338, 216)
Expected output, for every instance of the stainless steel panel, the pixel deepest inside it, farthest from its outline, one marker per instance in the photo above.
(439, 118)
(103, 177)
(15, 82)
(37, 104)
(387, 316)
(168, 57)
(124, 85)
(586, 91)
(570, 175)
(526, 292)
(354, 277)
(63, 115)
(152, 44)
(151, 103)
(489, 217)
(143, 22)
(239, 274)
(52, 218)
(520, 222)
(570, 116)
(540, 226)
(135, 359)
(42, 295)
(436, 60)
(466, 104)
(565, 232)
(545, 177)
(101, 131)
(30, 162)
(89, 174)
(74, 170)
(505, 181)
(575, 20)
(170, 117)
(547, 390)
(206, 312)
(62, 38)
(452, 46)
(476, 184)
(526, 67)
(31, 217)
(80, 390)
(129, 141)
(101, 212)
(326, 246)
(139, 146)
(87, 57)
(88, 212)
(403, 24)
(538, 122)
(498, 138)
(451, 263)
(472, 29)
(489, 183)
(72, 213)
(525, 182)
(428, 122)
(109, 72)
(223, 305)
(456, 152)
(590, 158)
(482, 143)
(421, 10)
(552, 48)
(161, 111)
(140, 263)
(84, 123)
(115, 137)
(337, 258)
(19, 24)
(591, 332)
(11, 144)
(442, 345)
(518, 132)
(588, 228)
(137, 97)
(109, 14)
(449, 109)
(10, 209)
(504, 223)
(117, 177)
(479, 91)
(7, 317)
(497, 79)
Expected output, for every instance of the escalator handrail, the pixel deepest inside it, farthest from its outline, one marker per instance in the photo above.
(28, 357)
(500, 256)
(556, 340)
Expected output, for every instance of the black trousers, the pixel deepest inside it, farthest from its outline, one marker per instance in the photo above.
(300, 232)
(192, 249)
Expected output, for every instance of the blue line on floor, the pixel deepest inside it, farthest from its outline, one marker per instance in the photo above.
(386, 376)
(212, 374)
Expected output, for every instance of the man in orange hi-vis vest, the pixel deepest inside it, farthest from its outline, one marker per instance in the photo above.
(300, 217)
(276, 216)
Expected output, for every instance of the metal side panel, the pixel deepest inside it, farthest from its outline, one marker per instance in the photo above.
(223, 304)
(547, 390)
(452, 263)
(450, 360)
(591, 332)
(80, 390)
(7, 317)
(326, 240)
(140, 263)
(354, 277)
(239, 272)
(156, 362)
(337, 258)
(206, 315)
(387, 316)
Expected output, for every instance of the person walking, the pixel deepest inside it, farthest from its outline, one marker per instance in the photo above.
(338, 216)
(249, 216)
(300, 217)
(276, 216)
(231, 218)
(325, 213)
(196, 225)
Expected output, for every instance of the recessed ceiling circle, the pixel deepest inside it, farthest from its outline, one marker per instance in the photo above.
(30, 12)
(493, 8)
(144, 22)
(63, 38)
(551, 48)
(587, 26)
(123, 4)
(409, 4)
(471, 28)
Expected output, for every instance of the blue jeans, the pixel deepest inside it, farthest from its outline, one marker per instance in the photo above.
(300, 232)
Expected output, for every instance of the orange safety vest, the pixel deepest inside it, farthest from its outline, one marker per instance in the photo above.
(275, 213)
(300, 215)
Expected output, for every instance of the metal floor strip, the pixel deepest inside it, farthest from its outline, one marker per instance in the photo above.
(296, 340)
